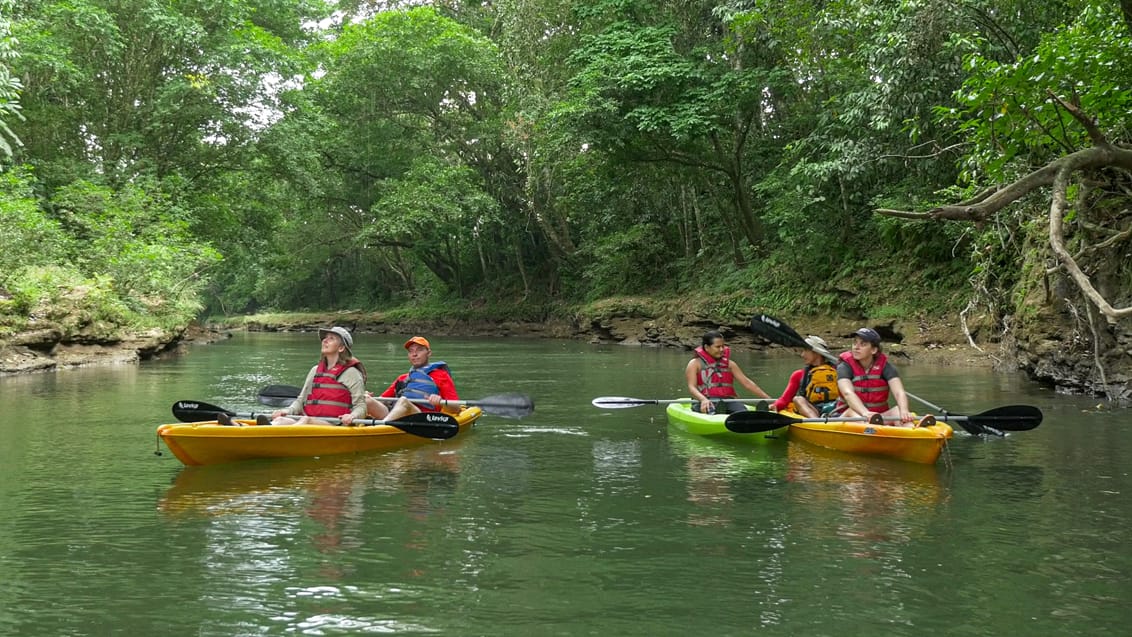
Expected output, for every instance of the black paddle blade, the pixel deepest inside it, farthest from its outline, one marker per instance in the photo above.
(196, 411)
(753, 422)
(1009, 418)
(974, 429)
(278, 395)
(776, 331)
(429, 424)
(505, 405)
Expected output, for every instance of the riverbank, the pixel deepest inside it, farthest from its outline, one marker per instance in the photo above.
(633, 322)
(638, 325)
(49, 350)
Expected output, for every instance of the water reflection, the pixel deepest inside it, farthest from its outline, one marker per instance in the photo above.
(573, 521)
(327, 494)
(715, 467)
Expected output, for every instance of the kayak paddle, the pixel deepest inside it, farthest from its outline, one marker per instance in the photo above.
(623, 402)
(1008, 418)
(503, 405)
(433, 425)
(279, 395)
(778, 331)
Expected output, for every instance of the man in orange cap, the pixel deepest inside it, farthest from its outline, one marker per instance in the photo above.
(424, 381)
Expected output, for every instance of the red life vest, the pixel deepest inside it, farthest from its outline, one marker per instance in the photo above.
(716, 379)
(868, 384)
(329, 398)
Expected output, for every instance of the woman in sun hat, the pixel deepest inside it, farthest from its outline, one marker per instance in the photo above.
(811, 391)
(334, 388)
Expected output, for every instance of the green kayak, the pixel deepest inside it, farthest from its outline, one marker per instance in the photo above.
(681, 416)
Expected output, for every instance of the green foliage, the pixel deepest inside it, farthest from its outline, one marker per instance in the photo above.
(634, 259)
(440, 211)
(61, 296)
(1006, 110)
(9, 85)
(27, 235)
(125, 87)
(457, 158)
(112, 257)
(138, 239)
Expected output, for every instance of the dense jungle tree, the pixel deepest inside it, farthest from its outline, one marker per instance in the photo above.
(9, 84)
(1059, 118)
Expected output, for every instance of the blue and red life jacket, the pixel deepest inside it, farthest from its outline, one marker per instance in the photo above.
(418, 383)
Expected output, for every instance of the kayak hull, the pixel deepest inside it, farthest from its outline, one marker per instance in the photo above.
(681, 416)
(208, 443)
(912, 444)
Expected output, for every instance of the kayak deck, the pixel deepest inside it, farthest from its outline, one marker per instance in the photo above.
(912, 444)
(681, 416)
(207, 443)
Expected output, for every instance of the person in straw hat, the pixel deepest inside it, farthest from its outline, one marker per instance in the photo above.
(811, 391)
(334, 388)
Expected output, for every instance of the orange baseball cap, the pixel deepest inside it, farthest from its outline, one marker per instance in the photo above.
(419, 340)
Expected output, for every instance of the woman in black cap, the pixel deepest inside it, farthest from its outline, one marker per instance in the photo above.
(866, 380)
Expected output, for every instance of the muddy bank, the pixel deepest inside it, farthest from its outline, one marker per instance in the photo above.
(46, 350)
(941, 343)
(51, 349)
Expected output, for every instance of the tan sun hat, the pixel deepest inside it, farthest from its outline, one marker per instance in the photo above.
(341, 332)
(818, 344)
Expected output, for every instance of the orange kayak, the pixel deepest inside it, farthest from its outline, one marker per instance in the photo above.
(913, 444)
(206, 443)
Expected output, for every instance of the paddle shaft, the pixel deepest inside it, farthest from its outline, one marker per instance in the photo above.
(1009, 418)
(434, 425)
(623, 402)
(505, 405)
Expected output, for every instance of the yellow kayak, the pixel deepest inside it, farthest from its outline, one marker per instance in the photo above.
(206, 443)
(913, 444)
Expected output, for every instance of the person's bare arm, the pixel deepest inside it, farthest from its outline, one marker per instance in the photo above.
(896, 388)
(849, 395)
(691, 377)
(744, 380)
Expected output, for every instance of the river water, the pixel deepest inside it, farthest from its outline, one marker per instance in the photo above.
(574, 521)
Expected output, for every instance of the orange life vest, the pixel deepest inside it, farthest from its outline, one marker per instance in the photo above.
(819, 384)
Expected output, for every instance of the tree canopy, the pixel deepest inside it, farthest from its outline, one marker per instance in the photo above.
(293, 154)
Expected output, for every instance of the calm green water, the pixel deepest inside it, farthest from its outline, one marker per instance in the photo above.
(574, 521)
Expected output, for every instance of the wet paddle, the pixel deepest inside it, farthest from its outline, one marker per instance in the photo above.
(1008, 418)
(433, 425)
(624, 402)
(279, 395)
(778, 331)
(503, 405)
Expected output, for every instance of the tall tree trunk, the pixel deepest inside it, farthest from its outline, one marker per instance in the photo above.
(522, 268)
